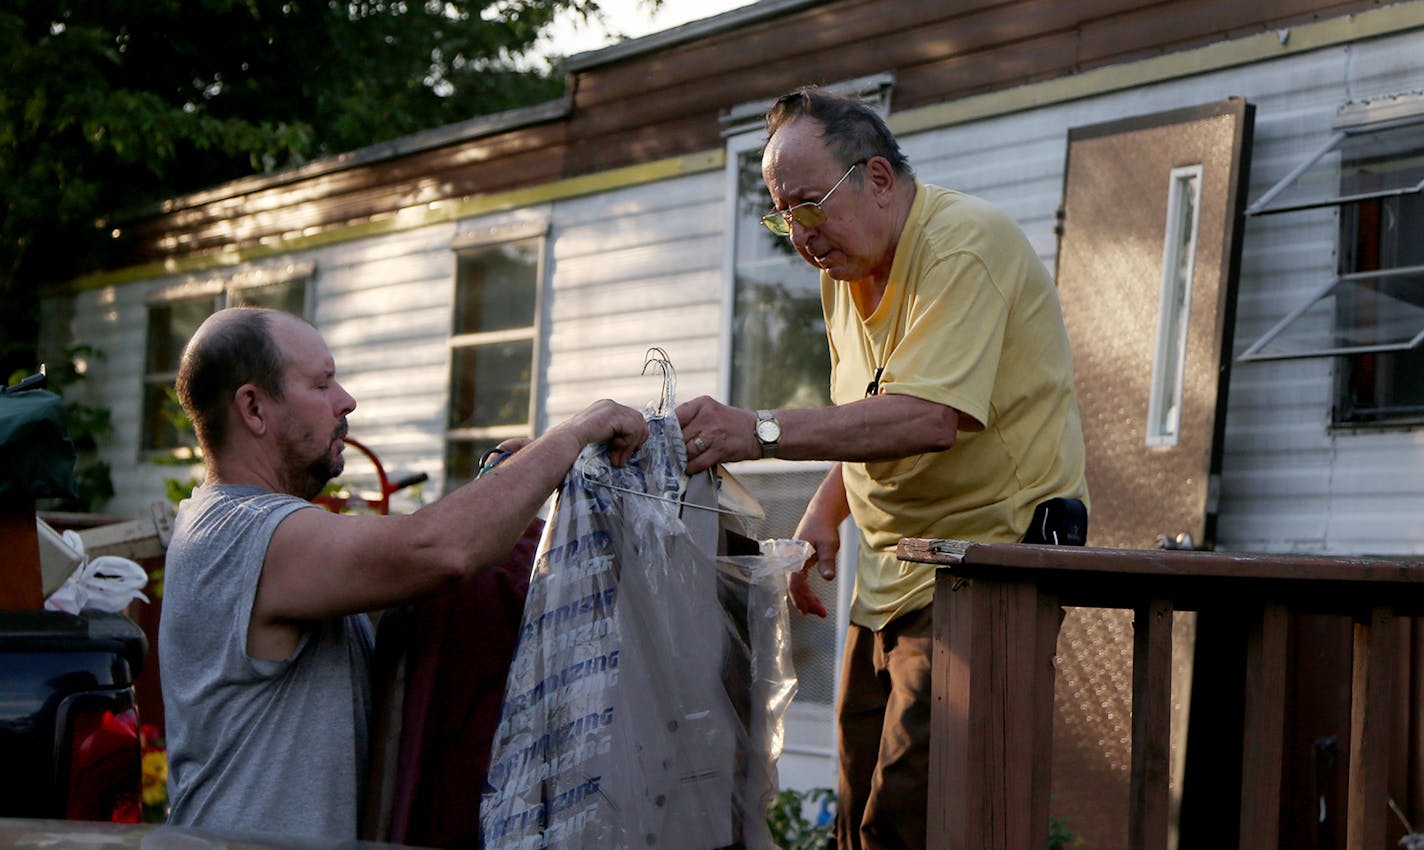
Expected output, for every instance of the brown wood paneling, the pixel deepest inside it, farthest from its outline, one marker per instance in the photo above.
(314, 207)
(508, 151)
(1177, 25)
(667, 102)
(504, 152)
(983, 47)
(1012, 64)
(608, 129)
(765, 62)
(641, 144)
(938, 54)
(842, 29)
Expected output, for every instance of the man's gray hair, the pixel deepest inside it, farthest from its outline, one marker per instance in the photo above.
(854, 131)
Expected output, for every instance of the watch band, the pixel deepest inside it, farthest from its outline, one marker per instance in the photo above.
(768, 432)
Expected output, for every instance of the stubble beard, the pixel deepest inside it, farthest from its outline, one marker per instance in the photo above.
(306, 474)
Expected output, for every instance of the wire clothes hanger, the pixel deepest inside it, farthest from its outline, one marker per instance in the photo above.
(658, 357)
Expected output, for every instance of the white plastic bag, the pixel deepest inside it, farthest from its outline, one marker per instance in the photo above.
(106, 583)
(645, 703)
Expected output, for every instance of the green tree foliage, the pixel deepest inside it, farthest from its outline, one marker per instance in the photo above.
(108, 105)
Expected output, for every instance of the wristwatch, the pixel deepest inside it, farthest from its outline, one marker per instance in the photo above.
(768, 432)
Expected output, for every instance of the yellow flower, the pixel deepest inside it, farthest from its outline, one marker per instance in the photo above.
(155, 777)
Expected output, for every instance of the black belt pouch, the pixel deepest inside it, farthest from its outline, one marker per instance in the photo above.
(1059, 522)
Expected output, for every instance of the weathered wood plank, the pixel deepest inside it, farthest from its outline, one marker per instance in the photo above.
(136, 539)
(802, 38)
(644, 140)
(1263, 738)
(1163, 27)
(966, 74)
(347, 197)
(948, 741)
(1151, 770)
(1371, 691)
(994, 644)
(937, 53)
(1042, 684)
(1165, 563)
(991, 695)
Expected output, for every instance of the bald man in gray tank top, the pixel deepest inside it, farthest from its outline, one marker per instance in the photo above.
(264, 631)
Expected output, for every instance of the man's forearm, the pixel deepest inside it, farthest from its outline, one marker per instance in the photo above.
(485, 517)
(886, 427)
(830, 500)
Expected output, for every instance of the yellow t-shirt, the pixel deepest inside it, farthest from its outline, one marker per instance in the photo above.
(970, 319)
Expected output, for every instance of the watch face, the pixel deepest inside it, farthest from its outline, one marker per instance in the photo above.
(768, 430)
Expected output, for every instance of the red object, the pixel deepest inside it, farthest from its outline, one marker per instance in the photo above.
(105, 766)
(382, 503)
(458, 647)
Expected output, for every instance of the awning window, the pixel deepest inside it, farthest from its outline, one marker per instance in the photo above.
(1376, 151)
(1374, 159)
(1351, 167)
(1354, 314)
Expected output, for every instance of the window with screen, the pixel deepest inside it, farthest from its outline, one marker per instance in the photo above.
(1368, 315)
(492, 352)
(1382, 255)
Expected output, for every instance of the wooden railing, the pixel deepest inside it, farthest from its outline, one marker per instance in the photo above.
(997, 612)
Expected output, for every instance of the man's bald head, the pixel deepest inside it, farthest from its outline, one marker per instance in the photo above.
(231, 348)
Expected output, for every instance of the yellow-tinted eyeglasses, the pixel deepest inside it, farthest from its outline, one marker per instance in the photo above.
(806, 213)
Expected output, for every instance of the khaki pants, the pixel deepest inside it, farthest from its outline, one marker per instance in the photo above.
(883, 725)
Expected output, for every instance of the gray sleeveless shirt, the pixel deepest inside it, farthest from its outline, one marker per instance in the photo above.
(255, 746)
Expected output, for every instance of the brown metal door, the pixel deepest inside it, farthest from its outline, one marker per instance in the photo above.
(1114, 260)
(1152, 458)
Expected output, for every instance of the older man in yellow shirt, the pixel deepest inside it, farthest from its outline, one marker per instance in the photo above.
(954, 417)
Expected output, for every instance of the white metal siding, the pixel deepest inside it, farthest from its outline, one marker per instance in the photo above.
(384, 306)
(1289, 483)
(632, 269)
(112, 320)
(628, 270)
